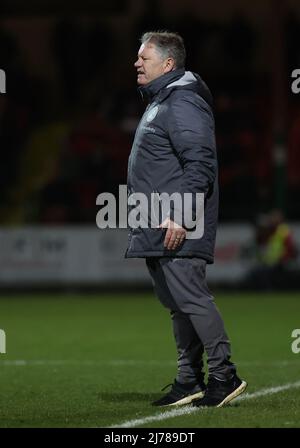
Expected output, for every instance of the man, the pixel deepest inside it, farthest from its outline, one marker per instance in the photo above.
(174, 152)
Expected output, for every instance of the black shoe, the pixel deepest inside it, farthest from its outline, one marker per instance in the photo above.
(181, 394)
(219, 393)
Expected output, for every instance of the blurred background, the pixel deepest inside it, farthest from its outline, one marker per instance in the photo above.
(68, 118)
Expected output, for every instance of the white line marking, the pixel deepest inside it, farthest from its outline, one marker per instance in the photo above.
(156, 418)
(190, 410)
(127, 362)
(269, 391)
(113, 362)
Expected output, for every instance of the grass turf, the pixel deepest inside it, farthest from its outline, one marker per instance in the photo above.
(98, 360)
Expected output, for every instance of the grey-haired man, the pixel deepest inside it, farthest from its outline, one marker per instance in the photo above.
(174, 152)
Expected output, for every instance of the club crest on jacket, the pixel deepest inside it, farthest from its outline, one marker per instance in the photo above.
(152, 114)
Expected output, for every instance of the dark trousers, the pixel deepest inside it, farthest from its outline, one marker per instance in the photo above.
(180, 284)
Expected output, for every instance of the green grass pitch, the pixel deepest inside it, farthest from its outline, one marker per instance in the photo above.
(99, 360)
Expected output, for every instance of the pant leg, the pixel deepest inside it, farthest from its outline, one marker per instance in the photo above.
(189, 347)
(185, 278)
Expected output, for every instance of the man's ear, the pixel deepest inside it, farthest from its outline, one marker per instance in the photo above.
(169, 65)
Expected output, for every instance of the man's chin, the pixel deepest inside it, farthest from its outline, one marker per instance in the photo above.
(142, 81)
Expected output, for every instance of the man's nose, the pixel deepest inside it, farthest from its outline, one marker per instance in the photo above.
(137, 63)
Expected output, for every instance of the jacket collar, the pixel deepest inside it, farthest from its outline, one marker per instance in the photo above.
(149, 91)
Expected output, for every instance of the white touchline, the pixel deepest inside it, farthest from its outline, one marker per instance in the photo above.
(127, 362)
(269, 391)
(189, 409)
(84, 362)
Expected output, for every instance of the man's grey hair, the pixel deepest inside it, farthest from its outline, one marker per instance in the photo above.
(169, 45)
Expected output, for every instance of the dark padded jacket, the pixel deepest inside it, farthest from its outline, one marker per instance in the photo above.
(174, 150)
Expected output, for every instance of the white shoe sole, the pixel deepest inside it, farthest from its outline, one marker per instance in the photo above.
(186, 400)
(233, 395)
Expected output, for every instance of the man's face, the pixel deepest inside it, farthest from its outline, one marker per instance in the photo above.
(150, 65)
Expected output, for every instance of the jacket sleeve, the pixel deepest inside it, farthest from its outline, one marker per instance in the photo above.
(192, 134)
